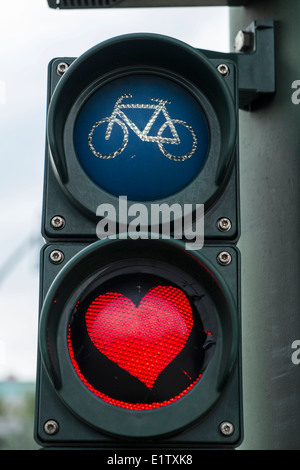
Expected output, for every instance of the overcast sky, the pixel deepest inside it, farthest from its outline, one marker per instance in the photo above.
(31, 35)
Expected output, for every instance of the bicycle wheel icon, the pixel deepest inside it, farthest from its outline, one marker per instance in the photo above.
(107, 137)
(160, 139)
(164, 140)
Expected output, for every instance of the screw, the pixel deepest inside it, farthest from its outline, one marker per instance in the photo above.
(226, 428)
(243, 41)
(224, 224)
(224, 258)
(51, 427)
(56, 256)
(58, 222)
(61, 68)
(223, 69)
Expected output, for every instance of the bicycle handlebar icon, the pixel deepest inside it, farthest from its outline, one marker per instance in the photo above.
(119, 117)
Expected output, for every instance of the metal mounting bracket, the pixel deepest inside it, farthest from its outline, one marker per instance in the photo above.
(254, 57)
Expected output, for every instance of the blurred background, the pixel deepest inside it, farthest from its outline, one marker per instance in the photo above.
(31, 34)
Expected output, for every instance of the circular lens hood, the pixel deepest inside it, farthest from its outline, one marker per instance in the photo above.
(193, 273)
(136, 54)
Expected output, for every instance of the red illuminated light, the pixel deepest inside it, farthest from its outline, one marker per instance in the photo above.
(122, 404)
(141, 339)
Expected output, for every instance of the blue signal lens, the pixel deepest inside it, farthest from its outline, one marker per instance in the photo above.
(142, 136)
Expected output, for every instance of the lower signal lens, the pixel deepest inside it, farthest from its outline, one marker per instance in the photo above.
(137, 342)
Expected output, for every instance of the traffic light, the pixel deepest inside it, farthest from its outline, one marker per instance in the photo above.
(139, 331)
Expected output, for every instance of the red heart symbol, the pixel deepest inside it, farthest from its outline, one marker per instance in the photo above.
(142, 340)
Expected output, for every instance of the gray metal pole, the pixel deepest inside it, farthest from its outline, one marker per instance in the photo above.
(270, 240)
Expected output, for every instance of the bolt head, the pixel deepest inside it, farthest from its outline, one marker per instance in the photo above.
(62, 68)
(223, 69)
(226, 428)
(224, 224)
(56, 256)
(224, 258)
(243, 41)
(51, 427)
(58, 222)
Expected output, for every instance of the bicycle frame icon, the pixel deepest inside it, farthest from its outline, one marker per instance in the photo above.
(118, 117)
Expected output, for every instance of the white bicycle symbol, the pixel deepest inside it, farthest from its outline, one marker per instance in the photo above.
(119, 117)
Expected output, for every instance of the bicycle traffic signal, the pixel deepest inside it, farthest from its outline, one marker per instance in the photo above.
(139, 330)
